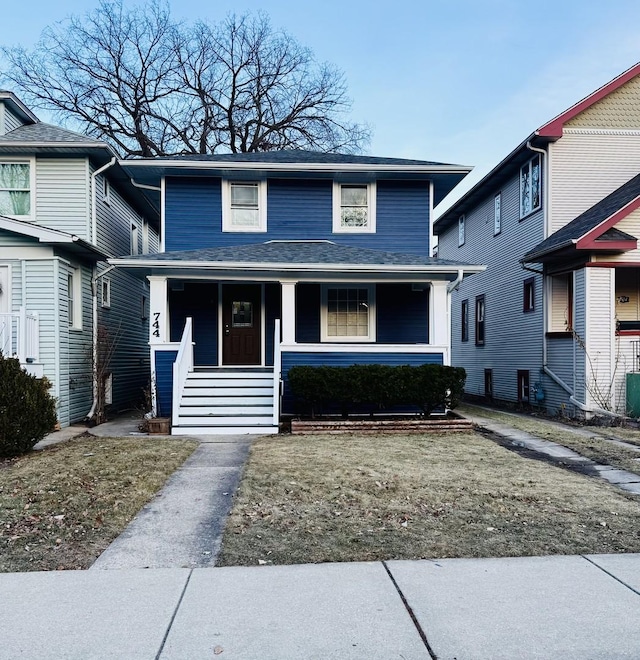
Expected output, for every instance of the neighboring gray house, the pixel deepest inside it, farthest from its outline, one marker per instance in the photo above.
(65, 207)
(555, 319)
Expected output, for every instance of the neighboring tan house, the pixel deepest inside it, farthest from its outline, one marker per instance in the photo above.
(554, 321)
(288, 258)
(66, 205)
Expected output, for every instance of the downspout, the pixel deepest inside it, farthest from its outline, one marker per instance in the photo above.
(452, 285)
(94, 288)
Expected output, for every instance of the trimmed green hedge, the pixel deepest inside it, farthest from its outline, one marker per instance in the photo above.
(27, 411)
(376, 387)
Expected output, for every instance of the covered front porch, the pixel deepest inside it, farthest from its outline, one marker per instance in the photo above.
(223, 336)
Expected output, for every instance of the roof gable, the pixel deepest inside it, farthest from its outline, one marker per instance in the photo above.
(595, 228)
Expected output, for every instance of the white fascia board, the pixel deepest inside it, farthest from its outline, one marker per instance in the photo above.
(302, 167)
(306, 268)
(36, 231)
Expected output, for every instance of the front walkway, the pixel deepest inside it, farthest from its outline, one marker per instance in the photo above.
(571, 607)
(623, 479)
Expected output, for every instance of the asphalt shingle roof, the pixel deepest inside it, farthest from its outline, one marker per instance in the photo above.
(299, 156)
(589, 220)
(296, 252)
(42, 133)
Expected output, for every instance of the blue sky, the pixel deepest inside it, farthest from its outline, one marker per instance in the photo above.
(458, 81)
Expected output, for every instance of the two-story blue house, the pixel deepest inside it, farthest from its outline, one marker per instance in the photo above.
(270, 260)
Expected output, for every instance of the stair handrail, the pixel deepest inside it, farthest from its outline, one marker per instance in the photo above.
(277, 371)
(182, 366)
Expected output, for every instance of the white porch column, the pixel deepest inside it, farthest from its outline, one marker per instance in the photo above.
(288, 312)
(158, 310)
(439, 318)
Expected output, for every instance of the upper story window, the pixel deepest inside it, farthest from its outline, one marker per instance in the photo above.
(348, 313)
(461, 237)
(134, 247)
(354, 207)
(530, 187)
(15, 189)
(244, 206)
(497, 214)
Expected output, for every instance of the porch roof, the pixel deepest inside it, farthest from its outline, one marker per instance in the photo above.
(300, 257)
(595, 228)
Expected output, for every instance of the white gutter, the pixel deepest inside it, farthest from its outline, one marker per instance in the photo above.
(94, 288)
(289, 266)
(144, 186)
(306, 167)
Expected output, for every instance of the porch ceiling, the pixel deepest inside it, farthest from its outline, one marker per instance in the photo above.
(310, 260)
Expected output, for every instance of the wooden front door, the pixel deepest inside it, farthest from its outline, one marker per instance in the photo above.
(241, 324)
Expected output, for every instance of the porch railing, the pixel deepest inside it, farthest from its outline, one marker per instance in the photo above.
(277, 372)
(182, 367)
(20, 335)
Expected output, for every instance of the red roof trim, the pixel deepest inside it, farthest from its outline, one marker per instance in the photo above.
(612, 264)
(609, 246)
(554, 128)
(588, 240)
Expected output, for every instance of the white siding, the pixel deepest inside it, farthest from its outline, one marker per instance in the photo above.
(62, 189)
(580, 292)
(600, 329)
(586, 168)
(11, 121)
(513, 338)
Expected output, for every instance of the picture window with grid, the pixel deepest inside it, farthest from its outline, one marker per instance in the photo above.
(348, 313)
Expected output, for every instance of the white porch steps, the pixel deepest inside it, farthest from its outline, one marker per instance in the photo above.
(226, 402)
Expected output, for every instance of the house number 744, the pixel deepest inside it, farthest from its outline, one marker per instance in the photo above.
(156, 324)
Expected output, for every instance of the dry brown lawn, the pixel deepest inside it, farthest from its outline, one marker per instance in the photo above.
(597, 447)
(360, 498)
(61, 507)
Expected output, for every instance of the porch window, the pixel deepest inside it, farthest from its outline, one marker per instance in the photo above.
(530, 187)
(244, 206)
(15, 189)
(628, 298)
(480, 320)
(561, 303)
(348, 313)
(354, 208)
(74, 298)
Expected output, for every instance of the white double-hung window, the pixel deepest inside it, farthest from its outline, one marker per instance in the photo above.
(244, 206)
(348, 313)
(354, 207)
(15, 189)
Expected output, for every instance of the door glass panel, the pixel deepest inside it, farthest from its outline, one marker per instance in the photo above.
(242, 314)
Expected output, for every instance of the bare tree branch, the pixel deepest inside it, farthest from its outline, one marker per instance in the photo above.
(152, 86)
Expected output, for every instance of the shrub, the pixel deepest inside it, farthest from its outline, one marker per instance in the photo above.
(377, 387)
(27, 411)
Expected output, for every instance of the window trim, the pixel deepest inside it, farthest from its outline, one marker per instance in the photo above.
(461, 230)
(371, 208)
(227, 226)
(529, 165)
(480, 303)
(324, 315)
(464, 320)
(497, 214)
(529, 295)
(31, 162)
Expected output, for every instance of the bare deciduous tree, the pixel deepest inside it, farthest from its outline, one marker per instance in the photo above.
(152, 86)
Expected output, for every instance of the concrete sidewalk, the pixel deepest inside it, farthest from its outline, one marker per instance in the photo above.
(538, 607)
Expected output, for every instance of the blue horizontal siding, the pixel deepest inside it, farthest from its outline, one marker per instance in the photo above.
(402, 314)
(164, 381)
(296, 210)
(292, 359)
